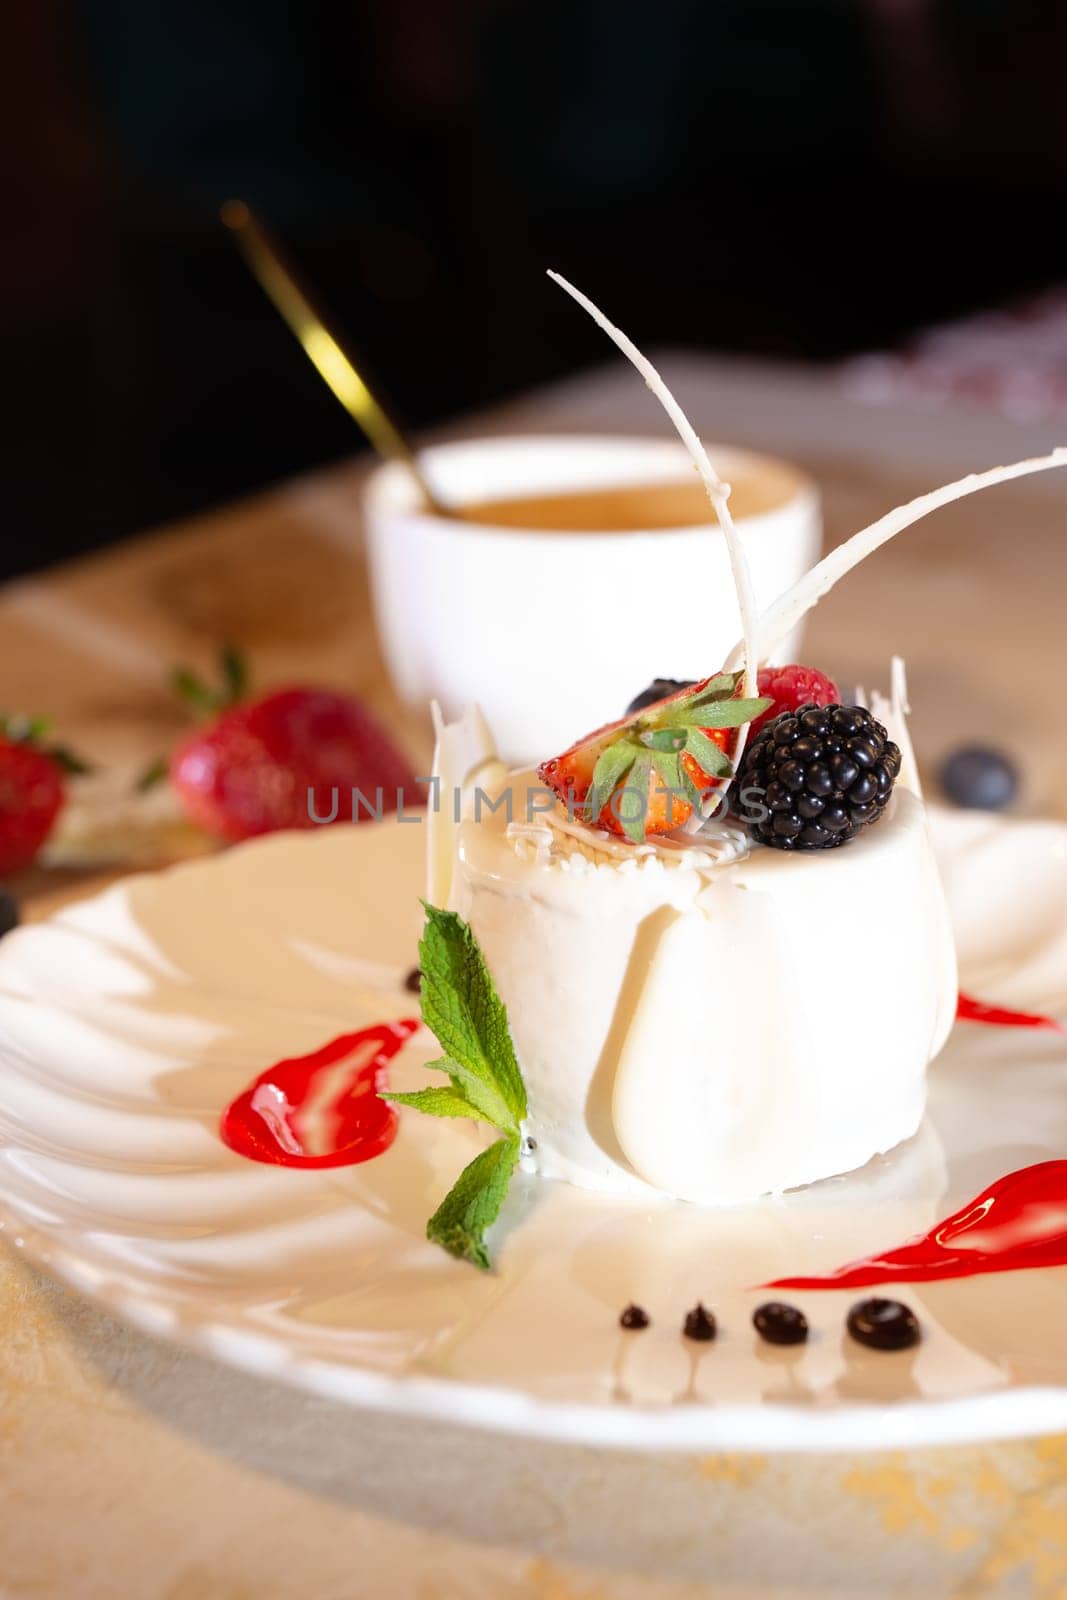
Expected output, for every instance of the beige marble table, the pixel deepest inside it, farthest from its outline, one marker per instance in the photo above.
(133, 1469)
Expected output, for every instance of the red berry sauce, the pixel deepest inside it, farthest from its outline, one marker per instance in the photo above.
(1019, 1221)
(971, 1010)
(323, 1109)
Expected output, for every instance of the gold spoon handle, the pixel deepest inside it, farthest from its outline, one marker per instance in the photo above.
(334, 367)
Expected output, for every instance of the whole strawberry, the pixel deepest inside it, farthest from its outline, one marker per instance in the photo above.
(32, 789)
(294, 758)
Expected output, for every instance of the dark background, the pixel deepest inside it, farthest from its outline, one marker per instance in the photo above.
(800, 178)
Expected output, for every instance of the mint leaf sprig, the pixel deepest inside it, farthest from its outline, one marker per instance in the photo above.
(461, 1007)
(657, 742)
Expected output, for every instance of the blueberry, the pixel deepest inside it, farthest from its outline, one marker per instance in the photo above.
(980, 778)
(658, 689)
(9, 912)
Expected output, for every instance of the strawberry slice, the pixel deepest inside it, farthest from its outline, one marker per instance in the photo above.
(647, 773)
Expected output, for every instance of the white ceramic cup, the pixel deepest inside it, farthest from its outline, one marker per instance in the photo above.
(553, 633)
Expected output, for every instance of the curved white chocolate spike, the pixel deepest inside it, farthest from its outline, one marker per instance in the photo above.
(718, 492)
(779, 620)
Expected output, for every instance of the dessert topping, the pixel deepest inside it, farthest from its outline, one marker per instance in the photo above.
(1019, 1221)
(648, 773)
(778, 1323)
(461, 1007)
(699, 1324)
(815, 777)
(968, 1009)
(789, 688)
(883, 1325)
(634, 1317)
(324, 1109)
(779, 620)
(658, 689)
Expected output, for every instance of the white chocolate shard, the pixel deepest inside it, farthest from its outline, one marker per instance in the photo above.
(464, 753)
(779, 620)
(718, 492)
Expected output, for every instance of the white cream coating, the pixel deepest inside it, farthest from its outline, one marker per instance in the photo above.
(714, 1032)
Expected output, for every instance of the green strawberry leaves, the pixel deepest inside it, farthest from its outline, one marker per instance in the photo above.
(208, 699)
(655, 741)
(461, 1006)
(613, 764)
(19, 728)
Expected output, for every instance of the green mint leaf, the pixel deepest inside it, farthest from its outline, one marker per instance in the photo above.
(612, 766)
(443, 1101)
(488, 1102)
(633, 799)
(474, 1202)
(707, 755)
(461, 1007)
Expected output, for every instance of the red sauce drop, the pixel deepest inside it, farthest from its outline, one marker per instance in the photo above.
(971, 1010)
(1019, 1221)
(321, 1110)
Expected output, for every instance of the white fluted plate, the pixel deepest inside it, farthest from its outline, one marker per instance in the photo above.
(128, 1022)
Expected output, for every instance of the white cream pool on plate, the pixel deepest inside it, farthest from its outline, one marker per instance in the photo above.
(553, 632)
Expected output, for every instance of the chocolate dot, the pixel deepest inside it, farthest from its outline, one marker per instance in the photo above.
(413, 981)
(883, 1325)
(634, 1317)
(699, 1323)
(779, 1323)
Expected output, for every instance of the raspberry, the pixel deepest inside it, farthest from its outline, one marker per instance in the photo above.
(790, 688)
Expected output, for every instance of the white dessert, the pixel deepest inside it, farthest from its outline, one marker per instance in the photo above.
(712, 1029)
(695, 1016)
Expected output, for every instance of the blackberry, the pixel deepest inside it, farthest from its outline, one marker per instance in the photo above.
(814, 777)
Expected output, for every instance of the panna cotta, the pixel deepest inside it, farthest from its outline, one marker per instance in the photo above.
(708, 1020)
(712, 931)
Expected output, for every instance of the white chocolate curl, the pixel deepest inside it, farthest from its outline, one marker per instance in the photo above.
(778, 621)
(718, 492)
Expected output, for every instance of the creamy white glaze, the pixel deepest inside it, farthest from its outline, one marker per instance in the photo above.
(714, 1031)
